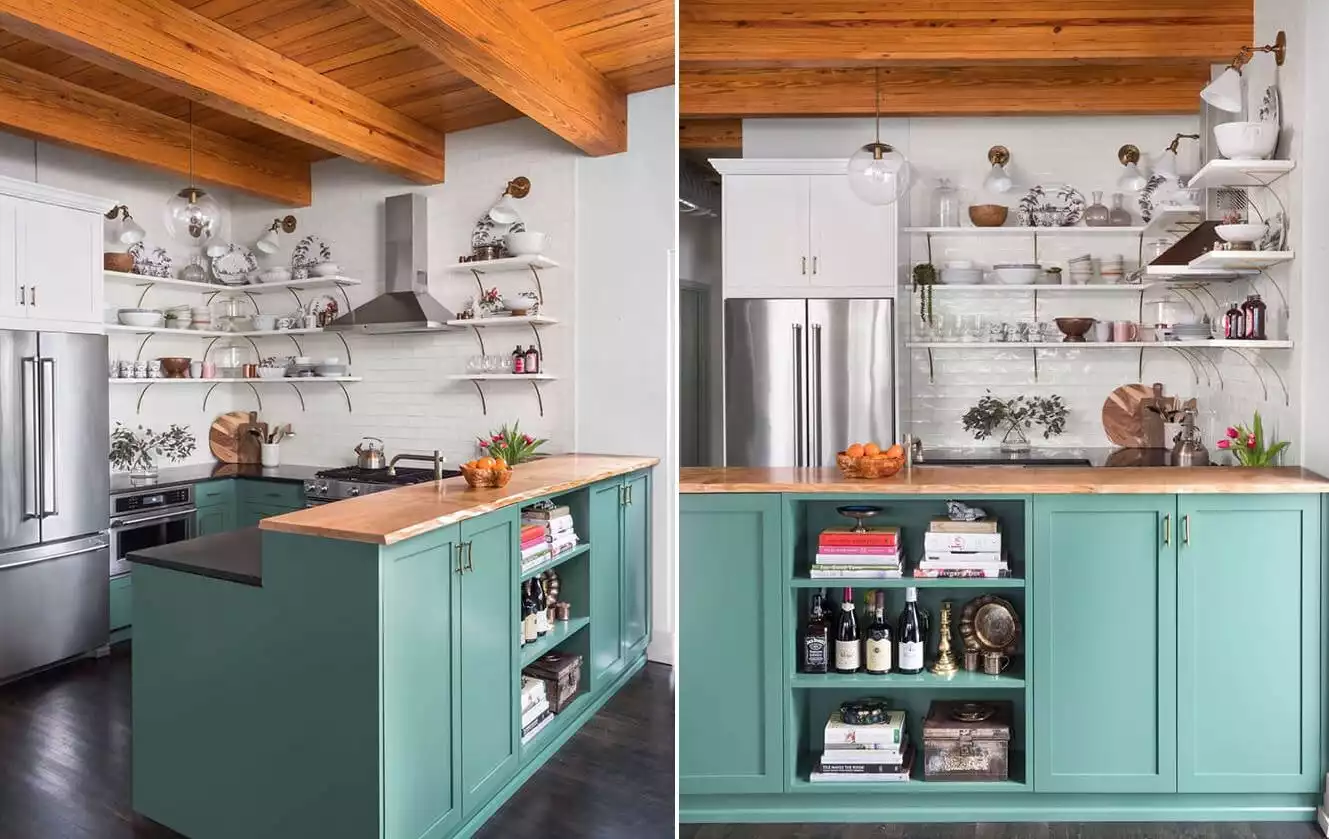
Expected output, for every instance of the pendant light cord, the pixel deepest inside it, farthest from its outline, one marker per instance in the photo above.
(876, 99)
(191, 144)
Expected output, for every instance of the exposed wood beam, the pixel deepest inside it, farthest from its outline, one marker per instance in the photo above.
(39, 105)
(710, 133)
(167, 45)
(943, 91)
(794, 33)
(505, 48)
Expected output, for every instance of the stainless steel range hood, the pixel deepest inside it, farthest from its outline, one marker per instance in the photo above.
(406, 306)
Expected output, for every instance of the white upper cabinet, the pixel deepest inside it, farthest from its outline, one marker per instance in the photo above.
(793, 228)
(13, 294)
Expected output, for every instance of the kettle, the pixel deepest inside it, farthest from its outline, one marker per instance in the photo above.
(370, 457)
(1189, 450)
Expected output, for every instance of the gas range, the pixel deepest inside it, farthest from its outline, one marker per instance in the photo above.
(352, 481)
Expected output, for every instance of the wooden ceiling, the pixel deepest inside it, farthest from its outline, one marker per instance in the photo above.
(768, 58)
(276, 84)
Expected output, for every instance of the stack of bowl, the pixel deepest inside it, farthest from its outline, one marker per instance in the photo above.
(961, 272)
(1081, 269)
(1190, 332)
(1112, 269)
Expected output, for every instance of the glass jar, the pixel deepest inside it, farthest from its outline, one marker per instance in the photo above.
(230, 355)
(232, 313)
(1119, 216)
(1155, 248)
(194, 272)
(945, 204)
(1096, 214)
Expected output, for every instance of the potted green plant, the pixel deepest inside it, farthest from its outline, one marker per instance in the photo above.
(1248, 447)
(136, 450)
(511, 444)
(1015, 415)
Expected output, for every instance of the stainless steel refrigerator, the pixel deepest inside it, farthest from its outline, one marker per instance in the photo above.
(804, 378)
(54, 486)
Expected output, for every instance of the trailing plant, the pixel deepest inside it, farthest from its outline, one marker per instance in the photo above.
(1248, 447)
(136, 450)
(511, 444)
(925, 277)
(991, 413)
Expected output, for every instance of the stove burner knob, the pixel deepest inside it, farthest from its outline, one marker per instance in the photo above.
(310, 486)
(323, 488)
(355, 491)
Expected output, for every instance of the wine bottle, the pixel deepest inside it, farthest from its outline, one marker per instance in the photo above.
(529, 631)
(911, 635)
(879, 639)
(816, 636)
(847, 649)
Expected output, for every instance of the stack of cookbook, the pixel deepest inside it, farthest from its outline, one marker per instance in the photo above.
(871, 553)
(865, 753)
(962, 549)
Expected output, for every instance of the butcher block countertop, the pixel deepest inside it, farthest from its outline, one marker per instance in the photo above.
(990, 480)
(385, 518)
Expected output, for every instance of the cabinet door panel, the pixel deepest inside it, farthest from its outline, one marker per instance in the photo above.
(766, 231)
(421, 793)
(636, 564)
(486, 627)
(731, 635)
(606, 579)
(853, 243)
(1249, 644)
(1104, 630)
(13, 301)
(59, 258)
(216, 519)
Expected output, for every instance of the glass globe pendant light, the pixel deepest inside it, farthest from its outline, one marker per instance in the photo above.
(191, 215)
(879, 173)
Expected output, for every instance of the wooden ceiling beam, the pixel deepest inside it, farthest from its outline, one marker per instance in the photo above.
(169, 46)
(43, 106)
(942, 91)
(726, 34)
(504, 47)
(710, 133)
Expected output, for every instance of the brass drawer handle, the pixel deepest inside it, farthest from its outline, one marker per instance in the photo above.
(1167, 529)
(1186, 529)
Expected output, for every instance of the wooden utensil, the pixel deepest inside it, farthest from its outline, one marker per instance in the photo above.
(1123, 416)
(1151, 422)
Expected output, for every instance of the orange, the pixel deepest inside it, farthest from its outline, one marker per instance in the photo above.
(871, 449)
(895, 451)
(485, 463)
(500, 463)
(856, 450)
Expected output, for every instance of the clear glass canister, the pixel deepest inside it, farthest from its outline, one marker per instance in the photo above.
(946, 204)
(231, 355)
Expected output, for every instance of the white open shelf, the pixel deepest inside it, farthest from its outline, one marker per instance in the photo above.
(1185, 273)
(283, 380)
(1096, 345)
(213, 288)
(1173, 221)
(1072, 230)
(1002, 288)
(525, 320)
(204, 333)
(503, 377)
(1218, 173)
(1240, 260)
(506, 264)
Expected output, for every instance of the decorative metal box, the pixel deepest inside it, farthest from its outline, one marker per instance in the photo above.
(967, 741)
(561, 673)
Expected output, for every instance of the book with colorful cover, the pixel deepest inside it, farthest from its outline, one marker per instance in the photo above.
(552, 513)
(528, 734)
(847, 535)
(859, 560)
(961, 560)
(865, 753)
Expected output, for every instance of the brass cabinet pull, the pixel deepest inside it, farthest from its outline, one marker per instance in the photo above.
(1186, 529)
(470, 566)
(1167, 529)
(805, 266)
(458, 568)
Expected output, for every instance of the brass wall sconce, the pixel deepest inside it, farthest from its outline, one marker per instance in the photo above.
(503, 210)
(1131, 178)
(1166, 166)
(271, 238)
(1225, 92)
(126, 230)
(998, 178)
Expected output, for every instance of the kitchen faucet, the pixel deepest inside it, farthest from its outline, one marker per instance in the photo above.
(435, 459)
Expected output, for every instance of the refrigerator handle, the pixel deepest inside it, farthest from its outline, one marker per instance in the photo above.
(799, 437)
(814, 385)
(31, 447)
(46, 387)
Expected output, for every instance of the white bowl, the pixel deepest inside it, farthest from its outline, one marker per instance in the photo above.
(961, 276)
(1016, 274)
(271, 372)
(326, 269)
(277, 274)
(960, 264)
(526, 243)
(1246, 140)
(1241, 233)
(264, 323)
(141, 317)
(330, 370)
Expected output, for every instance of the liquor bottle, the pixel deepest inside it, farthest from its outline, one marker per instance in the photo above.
(1234, 323)
(816, 636)
(879, 639)
(541, 608)
(529, 630)
(1256, 319)
(532, 359)
(518, 360)
(847, 643)
(911, 635)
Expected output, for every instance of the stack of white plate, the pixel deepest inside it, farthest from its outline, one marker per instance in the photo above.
(1191, 332)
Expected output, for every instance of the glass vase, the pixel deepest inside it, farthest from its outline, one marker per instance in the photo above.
(1119, 216)
(1096, 214)
(1014, 439)
(945, 204)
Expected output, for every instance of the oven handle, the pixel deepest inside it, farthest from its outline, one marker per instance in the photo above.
(125, 524)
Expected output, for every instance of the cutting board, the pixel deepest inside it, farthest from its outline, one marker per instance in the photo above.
(230, 439)
(1123, 416)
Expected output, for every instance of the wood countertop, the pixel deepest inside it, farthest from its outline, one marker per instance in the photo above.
(385, 518)
(992, 480)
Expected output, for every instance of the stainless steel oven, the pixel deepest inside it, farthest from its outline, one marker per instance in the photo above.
(146, 518)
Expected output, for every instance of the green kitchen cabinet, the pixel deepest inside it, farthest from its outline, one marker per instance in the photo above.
(122, 601)
(1105, 649)
(420, 640)
(1249, 644)
(271, 494)
(636, 551)
(606, 534)
(486, 648)
(216, 503)
(730, 709)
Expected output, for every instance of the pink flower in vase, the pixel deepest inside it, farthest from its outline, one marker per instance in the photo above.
(1232, 432)
(1224, 444)
(528, 439)
(1250, 442)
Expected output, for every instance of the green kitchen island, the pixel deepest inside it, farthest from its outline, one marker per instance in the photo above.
(353, 670)
(1172, 662)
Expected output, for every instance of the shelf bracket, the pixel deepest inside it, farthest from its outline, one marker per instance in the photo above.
(539, 345)
(1196, 365)
(1035, 352)
(479, 337)
(1282, 297)
(1035, 308)
(143, 295)
(539, 289)
(484, 408)
(1287, 397)
(1139, 372)
(932, 371)
(138, 356)
(299, 394)
(539, 398)
(1264, 385)
(138, 408)
(257, 398)
(928, 236)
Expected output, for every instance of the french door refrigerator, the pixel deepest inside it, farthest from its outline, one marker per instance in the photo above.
(805, 378)
(54, 490)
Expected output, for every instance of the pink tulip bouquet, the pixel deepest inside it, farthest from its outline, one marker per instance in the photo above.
(511, 445)
(1247, 445)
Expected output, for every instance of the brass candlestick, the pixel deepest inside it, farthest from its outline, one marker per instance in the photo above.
(945, 664)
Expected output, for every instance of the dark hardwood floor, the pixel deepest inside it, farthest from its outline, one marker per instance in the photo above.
(65, 763)
(1104, 830)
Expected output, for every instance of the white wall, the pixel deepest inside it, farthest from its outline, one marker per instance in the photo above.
(626, 300)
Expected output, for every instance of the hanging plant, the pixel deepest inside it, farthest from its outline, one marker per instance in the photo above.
(925, 277)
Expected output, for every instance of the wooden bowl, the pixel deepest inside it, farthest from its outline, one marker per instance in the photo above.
(868, 468)
(988, 215)
(485, 478)
(122, 262)
(175, 367)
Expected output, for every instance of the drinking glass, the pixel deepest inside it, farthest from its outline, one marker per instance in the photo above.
(971, 328)
(491, 364)
(475, 364)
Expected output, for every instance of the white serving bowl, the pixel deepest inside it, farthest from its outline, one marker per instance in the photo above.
(264, 323)
(961, 276)
(1246, 140)
(272, 372)
(276, 274)
(1241, 233)
(141, 317)
(1016, 274)
(526, 243)
(330, 370)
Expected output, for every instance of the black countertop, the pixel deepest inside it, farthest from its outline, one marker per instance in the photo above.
(179, 475)
(235, 556)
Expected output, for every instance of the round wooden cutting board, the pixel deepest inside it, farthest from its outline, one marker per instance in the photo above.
(1122, 420)
(224, 436)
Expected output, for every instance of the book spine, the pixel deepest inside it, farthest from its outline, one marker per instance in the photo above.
(858, 539)
(860, 768)
(861, 560)
(856, 550)
(880, 736)
(961, 542)
(948, 526)
(837, 574)
(958, 573)
(971, 558)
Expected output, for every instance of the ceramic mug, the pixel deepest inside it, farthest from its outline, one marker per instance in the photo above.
(269, 454)
(994, 663)
(209, 370)
(195, 369)
(1124, 330)
(1102, 331)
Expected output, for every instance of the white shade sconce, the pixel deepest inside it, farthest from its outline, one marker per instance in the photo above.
(1166, 165)
(504, 211)
(125, 230)
(1131, 178)
(270, 241)
(998, 179)
(1226, 92)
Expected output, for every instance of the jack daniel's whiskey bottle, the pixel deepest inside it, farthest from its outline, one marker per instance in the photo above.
(816, 637)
